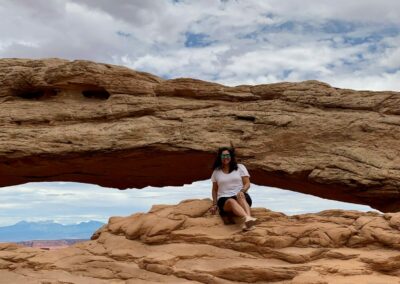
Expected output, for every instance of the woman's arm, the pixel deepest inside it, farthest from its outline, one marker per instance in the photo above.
(213, 208)
(215, 193)
(246, 183)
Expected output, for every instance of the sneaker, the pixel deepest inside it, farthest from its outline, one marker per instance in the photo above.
(250, 221)
(245, 228)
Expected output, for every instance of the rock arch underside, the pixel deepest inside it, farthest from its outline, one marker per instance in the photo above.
(108, 125)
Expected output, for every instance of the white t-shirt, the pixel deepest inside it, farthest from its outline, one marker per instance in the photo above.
(229, 184)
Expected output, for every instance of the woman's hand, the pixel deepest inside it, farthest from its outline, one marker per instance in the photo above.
(213, 209)
(240, 195)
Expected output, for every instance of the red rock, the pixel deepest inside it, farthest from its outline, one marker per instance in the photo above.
(78, 120)
(177, 244)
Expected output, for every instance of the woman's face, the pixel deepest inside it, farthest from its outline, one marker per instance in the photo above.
(225, 157)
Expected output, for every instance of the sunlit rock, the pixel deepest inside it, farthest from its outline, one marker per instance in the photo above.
(184, 243)
(109, 125)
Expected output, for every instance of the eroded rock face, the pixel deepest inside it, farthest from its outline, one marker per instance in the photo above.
(185, 244)
(109, 125)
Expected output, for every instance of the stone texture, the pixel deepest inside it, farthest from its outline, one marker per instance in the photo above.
(184, 243)
(109, 125)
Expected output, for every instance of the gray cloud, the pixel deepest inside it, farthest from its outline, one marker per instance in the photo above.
(231, 42)
(67, 202)
(138, 13)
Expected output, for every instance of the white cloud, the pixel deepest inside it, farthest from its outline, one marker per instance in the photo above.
(377, 82)
(231, 42)
(386, 11)
(11, 206)
(77, 202)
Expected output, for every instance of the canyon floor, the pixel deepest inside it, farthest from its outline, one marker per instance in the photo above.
(184, 243)
(50, 244)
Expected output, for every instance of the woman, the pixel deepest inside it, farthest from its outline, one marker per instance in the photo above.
(231, 181)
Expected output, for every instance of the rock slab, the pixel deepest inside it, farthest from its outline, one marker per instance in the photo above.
(112, 126)
(184, 243)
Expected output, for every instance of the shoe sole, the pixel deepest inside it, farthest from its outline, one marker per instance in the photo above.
(251, 223)
(249, 229)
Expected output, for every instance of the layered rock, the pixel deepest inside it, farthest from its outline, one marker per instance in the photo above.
(109, 125)
(184, 243)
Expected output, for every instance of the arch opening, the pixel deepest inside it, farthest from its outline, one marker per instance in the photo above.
(159, 165)
(97, 93)
(36, 93)
(44, 93)
(70, 210)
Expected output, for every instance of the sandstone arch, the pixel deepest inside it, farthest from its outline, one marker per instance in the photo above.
(308, 137)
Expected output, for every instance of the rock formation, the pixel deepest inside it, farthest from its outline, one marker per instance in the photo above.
(184, 243)
(109, 125)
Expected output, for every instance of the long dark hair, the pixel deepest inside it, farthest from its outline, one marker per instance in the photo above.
(232, 164)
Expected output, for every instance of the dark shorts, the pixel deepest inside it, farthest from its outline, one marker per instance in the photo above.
(221, 202)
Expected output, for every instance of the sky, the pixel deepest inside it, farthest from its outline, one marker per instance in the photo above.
(348, 44)
(70, 202)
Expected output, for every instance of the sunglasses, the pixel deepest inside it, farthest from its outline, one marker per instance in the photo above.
(225, 156)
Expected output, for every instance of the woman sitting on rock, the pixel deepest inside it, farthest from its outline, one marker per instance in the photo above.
(231, 181)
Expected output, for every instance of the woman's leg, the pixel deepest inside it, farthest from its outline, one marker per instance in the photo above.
(242, 202)
(233, 206)
(245, 202)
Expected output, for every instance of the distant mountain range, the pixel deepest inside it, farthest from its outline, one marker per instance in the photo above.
(47, 230)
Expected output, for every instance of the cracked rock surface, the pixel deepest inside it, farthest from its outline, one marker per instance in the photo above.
(77, 120)
(184, 243)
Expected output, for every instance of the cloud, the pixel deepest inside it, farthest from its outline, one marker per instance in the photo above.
(11, 206)
(78, 202)
(386, 11)
(230, 42)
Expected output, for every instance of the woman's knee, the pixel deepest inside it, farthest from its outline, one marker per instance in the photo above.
(248, 200)
(242, 200)
(229, 204)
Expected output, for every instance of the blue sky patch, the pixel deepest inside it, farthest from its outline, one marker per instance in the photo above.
(373, 37)
(338, 27)
(392, 70)
(197, 40)
(286, 73)
(360, 40)
(124, 34)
